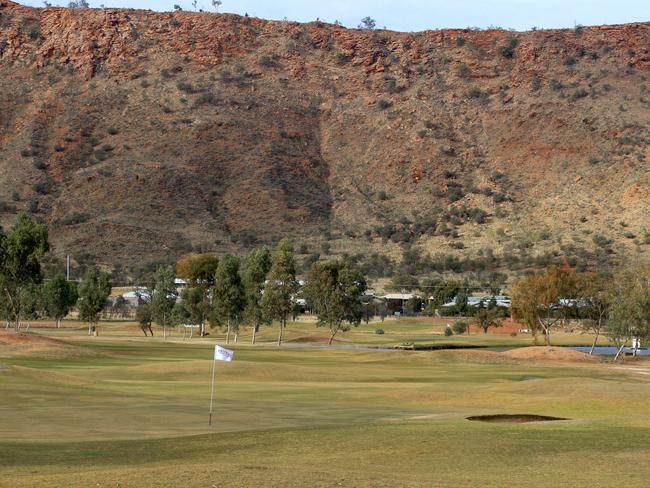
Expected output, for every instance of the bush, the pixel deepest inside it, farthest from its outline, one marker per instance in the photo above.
(383, 104)
(579, 93)
(75, 218)
(266, 62)
(460, 41)
(570, 61)
(464, 71)
(379, 331)
(460, 327)
(112, 131)
(508, 51)
(448, 332)
(476, 93)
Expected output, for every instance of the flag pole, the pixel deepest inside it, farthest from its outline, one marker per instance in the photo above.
(214, 363)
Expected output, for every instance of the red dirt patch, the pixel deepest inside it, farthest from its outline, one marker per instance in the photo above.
(553, 354)
(28, 342)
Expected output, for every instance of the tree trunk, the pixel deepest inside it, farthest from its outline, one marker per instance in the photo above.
(236, 335)
(332, 334)
(6, 324)
(228, 333)
(29, 324)
(280, 334)
(164, 332)
(618, 353)
(547, 336)
(17, 323)
(593, 346)
(58, 323)
(90, 328)
(254, 333)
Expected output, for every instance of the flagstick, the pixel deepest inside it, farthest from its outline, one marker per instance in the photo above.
(214, 363)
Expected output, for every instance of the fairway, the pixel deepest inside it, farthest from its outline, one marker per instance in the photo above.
(120, 410)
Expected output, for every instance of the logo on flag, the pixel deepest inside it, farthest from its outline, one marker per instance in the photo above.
(222, 354)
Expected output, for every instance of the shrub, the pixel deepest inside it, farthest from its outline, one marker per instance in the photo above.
(379, 331)
(570, 61)
(112, 131)
(448, 332)
(556, 85)
(383, 104)
(476, 93)
(266, 62)
(464, 71)
(460, 41)
(536, 83)
(579, 93)
(7, 207)
(40, 164)
(75, 218)
(174, 23)
(459, 327)
(342, 58)
(629, 235)
(508, 51)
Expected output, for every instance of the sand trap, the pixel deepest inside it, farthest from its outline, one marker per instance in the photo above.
(555, 354)
(514, 418)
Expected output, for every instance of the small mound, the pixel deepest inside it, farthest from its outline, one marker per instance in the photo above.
(546, 353)
(31, 342)
(514, 418)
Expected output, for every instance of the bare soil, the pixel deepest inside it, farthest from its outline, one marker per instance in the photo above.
(553, 354)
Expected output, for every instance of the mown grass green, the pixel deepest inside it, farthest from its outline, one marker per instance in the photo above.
(127, 411)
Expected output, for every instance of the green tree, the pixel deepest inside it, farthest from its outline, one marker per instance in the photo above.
(163, 298)
(256, 267)
(20, 253)
(488, 316)
(334, 291)
(228, 294)
(281, 285)
(94, 289)
(144, 317)
(31, 304)
(195, 306)
(59, 296)
(200, 271)
(629, 316)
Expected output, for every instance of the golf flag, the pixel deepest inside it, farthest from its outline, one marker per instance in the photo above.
(221, 354)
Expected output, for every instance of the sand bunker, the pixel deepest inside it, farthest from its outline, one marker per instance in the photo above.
(514, 418)
(554, 354)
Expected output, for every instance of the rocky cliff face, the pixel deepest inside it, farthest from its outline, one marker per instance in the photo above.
(138, 136)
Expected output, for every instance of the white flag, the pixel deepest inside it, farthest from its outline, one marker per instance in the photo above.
(221, 354)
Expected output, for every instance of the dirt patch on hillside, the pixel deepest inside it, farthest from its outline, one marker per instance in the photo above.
(514, 419)
(553, 354)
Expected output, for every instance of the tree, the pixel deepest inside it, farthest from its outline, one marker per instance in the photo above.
(334, 291)
(281, 285)
(488, 316)
(94, 289)
(31, 303)
(542, 300)
(597, 295)
(228, 294)
(59, 296)
(256, 268)
(196, 306)
(163, 298)
(20, 252)
(367, 23)
(200, 271)
(629, 316)
(144, 317)
(78, 4)
(216, 4)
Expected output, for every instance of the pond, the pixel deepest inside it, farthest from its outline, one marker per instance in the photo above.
(609, 350)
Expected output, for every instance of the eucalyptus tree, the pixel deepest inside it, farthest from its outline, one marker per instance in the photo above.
(163, 298)
(228, 294)
(20, 253)
(281, 285)
(334, 291)
(94, 289)
(255, 270)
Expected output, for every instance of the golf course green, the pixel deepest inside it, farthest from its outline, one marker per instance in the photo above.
(122, 410)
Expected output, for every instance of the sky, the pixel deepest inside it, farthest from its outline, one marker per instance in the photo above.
(418, 15)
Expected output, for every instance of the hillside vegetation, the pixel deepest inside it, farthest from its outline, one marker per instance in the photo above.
(141, 136)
